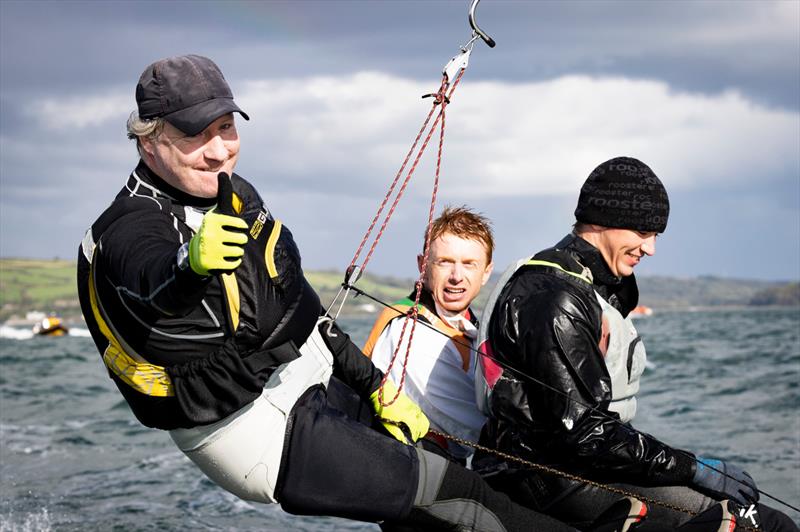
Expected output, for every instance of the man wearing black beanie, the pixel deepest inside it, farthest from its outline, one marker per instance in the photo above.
(561, 318)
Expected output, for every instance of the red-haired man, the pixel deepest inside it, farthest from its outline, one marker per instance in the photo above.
(440, 369)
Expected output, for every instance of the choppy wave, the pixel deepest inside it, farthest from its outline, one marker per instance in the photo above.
(16, 333)
(727, 384)
(37, 521)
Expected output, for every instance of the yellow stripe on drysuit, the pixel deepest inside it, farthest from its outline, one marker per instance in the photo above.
(533, 262)
(232, 295)
(269, 252)
(229, 279)
(136, 372)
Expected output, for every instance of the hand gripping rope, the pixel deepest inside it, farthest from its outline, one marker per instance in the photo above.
(451, 76)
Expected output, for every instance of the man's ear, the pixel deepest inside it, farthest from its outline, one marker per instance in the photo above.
(419, 263)
(487, 273)
(146, 145)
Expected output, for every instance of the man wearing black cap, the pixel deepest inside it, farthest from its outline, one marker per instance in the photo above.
(561, 319)
(196, 300)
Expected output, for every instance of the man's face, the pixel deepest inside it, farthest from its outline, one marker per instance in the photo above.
(457, 269)
(191, 164)
(624, 248)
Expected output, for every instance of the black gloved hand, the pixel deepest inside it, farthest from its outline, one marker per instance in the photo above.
(734, 484)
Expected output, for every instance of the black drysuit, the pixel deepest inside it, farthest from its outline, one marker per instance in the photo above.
(213, 342)
(547, 323)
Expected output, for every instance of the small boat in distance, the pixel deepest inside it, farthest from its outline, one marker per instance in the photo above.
(50, 326)
(641, 311)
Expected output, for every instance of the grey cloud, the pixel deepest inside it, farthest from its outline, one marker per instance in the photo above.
(698, 45)
(54, 186)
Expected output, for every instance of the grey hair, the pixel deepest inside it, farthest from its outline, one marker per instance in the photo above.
(140, 127)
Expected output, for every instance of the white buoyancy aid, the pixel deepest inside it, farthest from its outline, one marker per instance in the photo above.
(625, 360)
(437, 373)
(624, 356)
(242, 453)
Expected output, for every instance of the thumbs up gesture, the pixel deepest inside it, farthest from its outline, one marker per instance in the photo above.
(218, 246)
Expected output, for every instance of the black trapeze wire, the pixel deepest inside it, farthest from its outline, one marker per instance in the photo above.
(530, 378)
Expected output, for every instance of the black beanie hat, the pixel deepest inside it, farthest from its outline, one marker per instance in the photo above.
(624, 193)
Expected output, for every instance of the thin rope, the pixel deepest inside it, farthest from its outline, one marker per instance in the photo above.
(576, 478)
(443, 100)
(558, 472)
(439, 98)
(389, 193)
(354, 271)
(555, 390)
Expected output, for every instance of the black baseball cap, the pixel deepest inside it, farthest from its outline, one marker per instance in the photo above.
(188, 91)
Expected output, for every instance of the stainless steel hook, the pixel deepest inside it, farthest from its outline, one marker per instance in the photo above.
(477, 31)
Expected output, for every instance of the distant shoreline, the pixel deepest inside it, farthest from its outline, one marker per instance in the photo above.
(49, 286)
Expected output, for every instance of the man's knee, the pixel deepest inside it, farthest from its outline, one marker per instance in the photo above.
(451, 494)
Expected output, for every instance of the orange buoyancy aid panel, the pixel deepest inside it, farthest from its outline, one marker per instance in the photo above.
(403, 308)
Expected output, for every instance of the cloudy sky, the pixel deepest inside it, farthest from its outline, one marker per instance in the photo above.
(706, 92)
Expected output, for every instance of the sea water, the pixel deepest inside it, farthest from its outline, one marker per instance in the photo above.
(722, 383)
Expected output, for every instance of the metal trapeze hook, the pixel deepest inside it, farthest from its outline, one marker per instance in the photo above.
(477, 31)
(460, 62)
(452, 72)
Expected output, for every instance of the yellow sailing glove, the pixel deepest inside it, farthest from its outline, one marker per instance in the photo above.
(402, 411)
(218, 246)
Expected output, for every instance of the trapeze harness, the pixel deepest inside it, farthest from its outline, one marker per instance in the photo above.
(623, 350)
(242, 451)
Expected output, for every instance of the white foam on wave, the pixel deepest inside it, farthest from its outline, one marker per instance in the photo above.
(15, 334)
(32, 522)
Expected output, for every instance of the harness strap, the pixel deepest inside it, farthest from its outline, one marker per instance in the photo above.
(582, 276)
(403, 307)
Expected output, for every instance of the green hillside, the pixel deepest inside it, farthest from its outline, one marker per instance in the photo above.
(49, 286)
(711, 291)
(46, 285)
(784, 295)
(386, 289)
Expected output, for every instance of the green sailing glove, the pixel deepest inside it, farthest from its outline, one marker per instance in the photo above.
(218, 246)
(401, 412)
